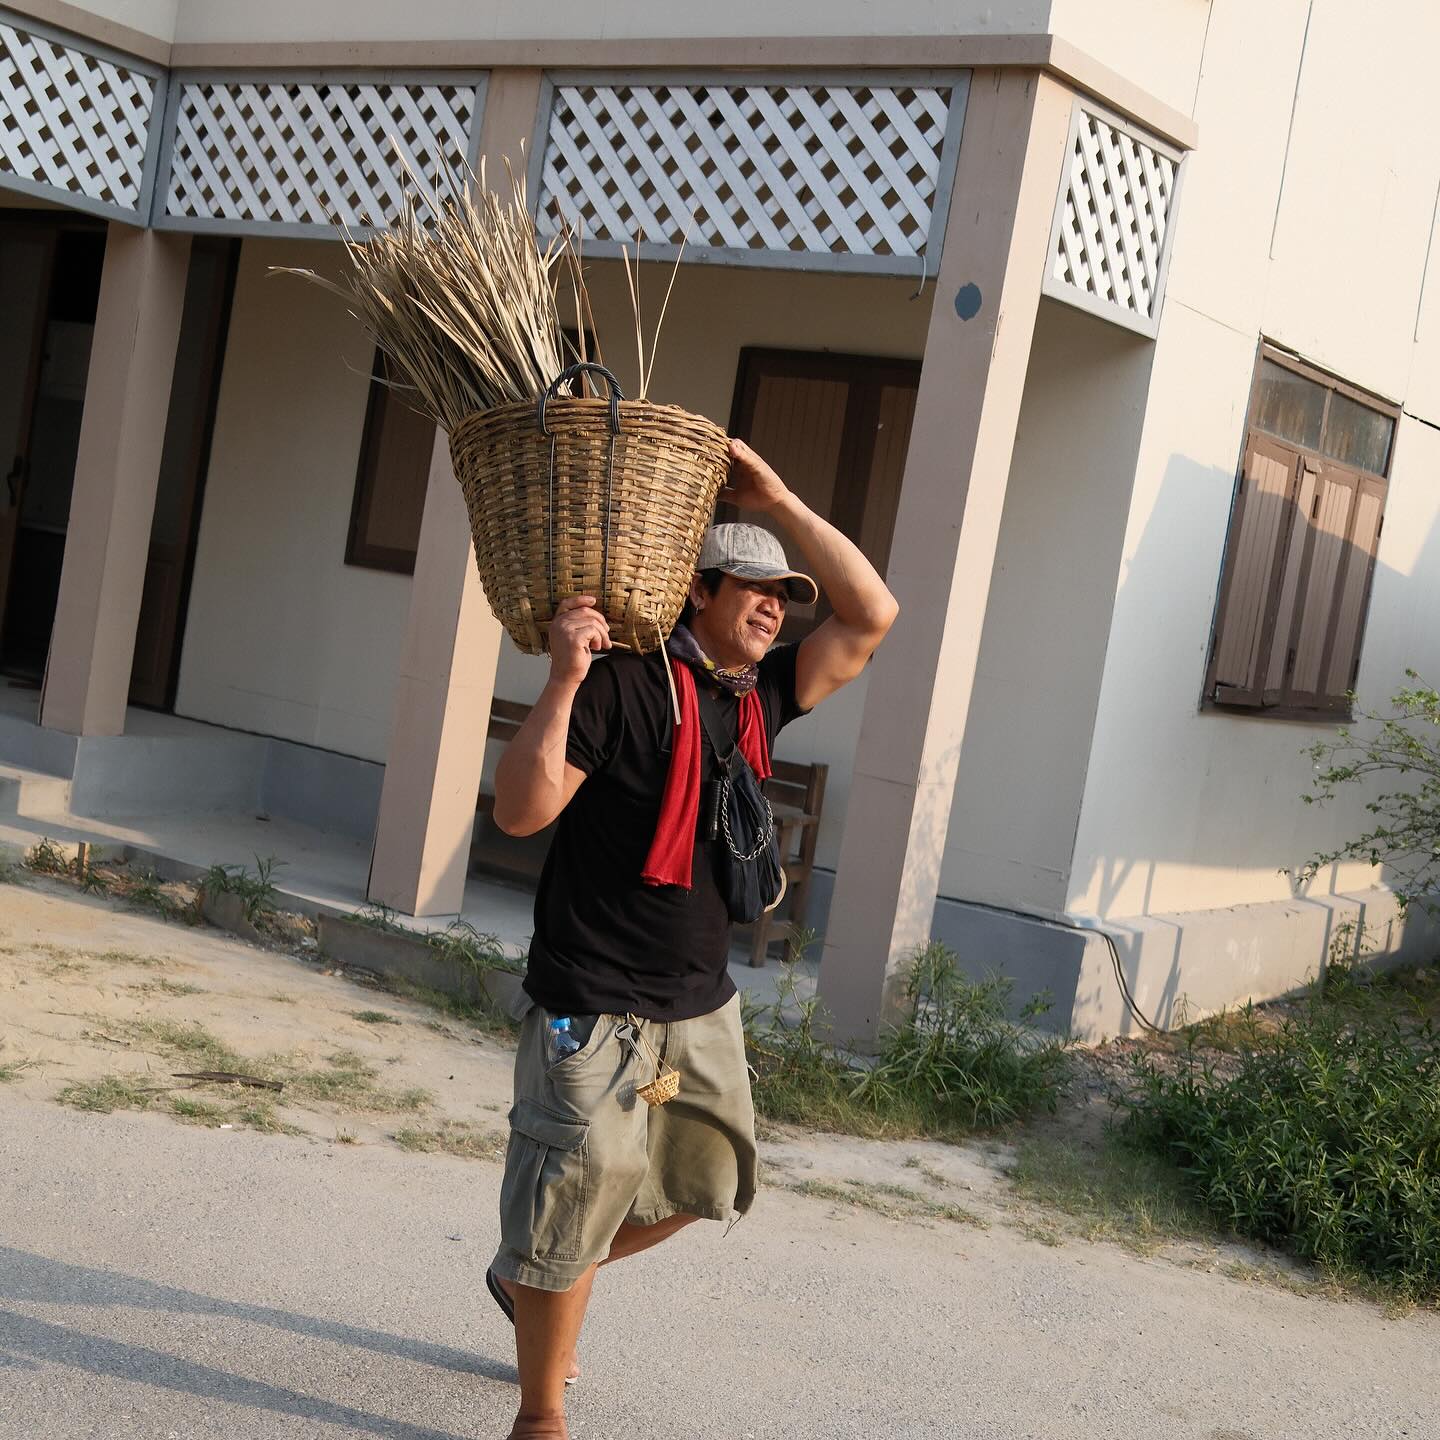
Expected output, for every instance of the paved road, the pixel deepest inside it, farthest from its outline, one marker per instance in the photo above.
(163, 1281)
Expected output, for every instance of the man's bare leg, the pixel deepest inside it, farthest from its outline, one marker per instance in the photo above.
(629, 1240)
(632, 1239)
(547, 1325)
(572, 1370)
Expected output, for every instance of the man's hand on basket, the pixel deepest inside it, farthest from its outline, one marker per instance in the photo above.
(752, 485)
(576, 633)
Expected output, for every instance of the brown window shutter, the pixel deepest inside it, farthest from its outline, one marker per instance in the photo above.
(1279, 649)
(1344, 536)
(1260, 534)
(1353, 600)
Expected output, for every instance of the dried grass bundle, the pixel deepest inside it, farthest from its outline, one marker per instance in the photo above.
(464, 306)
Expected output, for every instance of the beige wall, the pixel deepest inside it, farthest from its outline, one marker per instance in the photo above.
(1186, 809)
(282, 636)
(153, 18)
(223, 20)
(1022, 769)
(1155, 43)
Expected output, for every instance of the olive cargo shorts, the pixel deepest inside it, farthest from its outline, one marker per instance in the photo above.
(587, 1154)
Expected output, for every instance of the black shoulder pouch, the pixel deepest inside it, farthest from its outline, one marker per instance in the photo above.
(747, 849)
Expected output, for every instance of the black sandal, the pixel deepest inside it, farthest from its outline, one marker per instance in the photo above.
(497, 1293)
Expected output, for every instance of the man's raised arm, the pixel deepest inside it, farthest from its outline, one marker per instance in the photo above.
(834, 653)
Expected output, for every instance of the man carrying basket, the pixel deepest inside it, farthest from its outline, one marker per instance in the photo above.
(627, 982)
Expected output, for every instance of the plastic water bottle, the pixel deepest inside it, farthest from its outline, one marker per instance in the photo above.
(563, 1041)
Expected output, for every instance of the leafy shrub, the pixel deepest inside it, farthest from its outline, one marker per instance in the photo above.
(1324, 1139)
(953, 1065)
(1403, 747)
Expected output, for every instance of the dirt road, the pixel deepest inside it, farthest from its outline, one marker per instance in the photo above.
(278, 1264)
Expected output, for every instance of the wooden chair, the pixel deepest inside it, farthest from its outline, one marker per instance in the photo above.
(797, 794)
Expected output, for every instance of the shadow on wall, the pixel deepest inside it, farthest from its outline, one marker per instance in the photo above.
(1220, 791)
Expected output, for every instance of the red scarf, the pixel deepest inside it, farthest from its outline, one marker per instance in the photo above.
(672, 852)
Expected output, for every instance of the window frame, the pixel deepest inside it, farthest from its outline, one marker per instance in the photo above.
(359, 551)
(1338, 712)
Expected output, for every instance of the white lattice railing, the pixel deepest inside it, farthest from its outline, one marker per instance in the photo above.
(74, 124)
(1113, 221)
(776, 171)
(311, 154)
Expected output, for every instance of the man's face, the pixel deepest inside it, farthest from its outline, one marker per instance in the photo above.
(738, 623)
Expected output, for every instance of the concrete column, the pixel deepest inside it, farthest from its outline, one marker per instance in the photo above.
(976, 353)
(452, 641)
(112, 507)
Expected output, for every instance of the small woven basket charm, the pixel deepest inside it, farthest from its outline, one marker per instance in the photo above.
(578, 496)
(666, 1084)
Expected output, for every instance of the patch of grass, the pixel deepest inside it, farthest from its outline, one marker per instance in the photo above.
(173, 988)
(132, 957)
(46, 858)
(260, 1115)
(374, 1017)
(13, 1069)
(198, 1112)
(346, 1137)
(453, 1137)
(1038, 1231)
(915, 1162)
(895, 1202)
(1114, 1192)
(109, 1092)
(1322, 1138)
(349, 1082)
(256, 891)
(280, 999)
(952, 1067)
(184, 1041)
(13, 873)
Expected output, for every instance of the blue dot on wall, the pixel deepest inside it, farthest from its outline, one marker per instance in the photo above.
(967, 301)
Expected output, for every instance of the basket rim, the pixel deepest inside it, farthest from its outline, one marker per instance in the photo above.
(567, 405)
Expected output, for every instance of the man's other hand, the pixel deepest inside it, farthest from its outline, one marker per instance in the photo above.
(577, 633)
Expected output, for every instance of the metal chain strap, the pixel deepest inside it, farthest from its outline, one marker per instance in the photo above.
(764, 839)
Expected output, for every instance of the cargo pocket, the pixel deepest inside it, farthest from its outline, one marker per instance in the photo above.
(545, 1192)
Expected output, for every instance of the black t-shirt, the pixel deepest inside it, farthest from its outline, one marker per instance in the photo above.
(605, 942)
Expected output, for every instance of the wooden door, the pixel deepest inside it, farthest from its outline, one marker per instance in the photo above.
(27, 255)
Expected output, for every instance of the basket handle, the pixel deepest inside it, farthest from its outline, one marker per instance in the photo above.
(585, 367)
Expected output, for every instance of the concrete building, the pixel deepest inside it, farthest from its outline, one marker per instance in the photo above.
(1104, 325)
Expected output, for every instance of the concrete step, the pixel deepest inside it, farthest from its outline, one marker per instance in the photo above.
(30, 792)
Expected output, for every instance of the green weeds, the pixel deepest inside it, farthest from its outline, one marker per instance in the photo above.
(46, 858)
(953, 1066)
(256, 891)
(1321, 1136)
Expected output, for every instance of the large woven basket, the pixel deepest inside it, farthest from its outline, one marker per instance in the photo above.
(571, 496)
